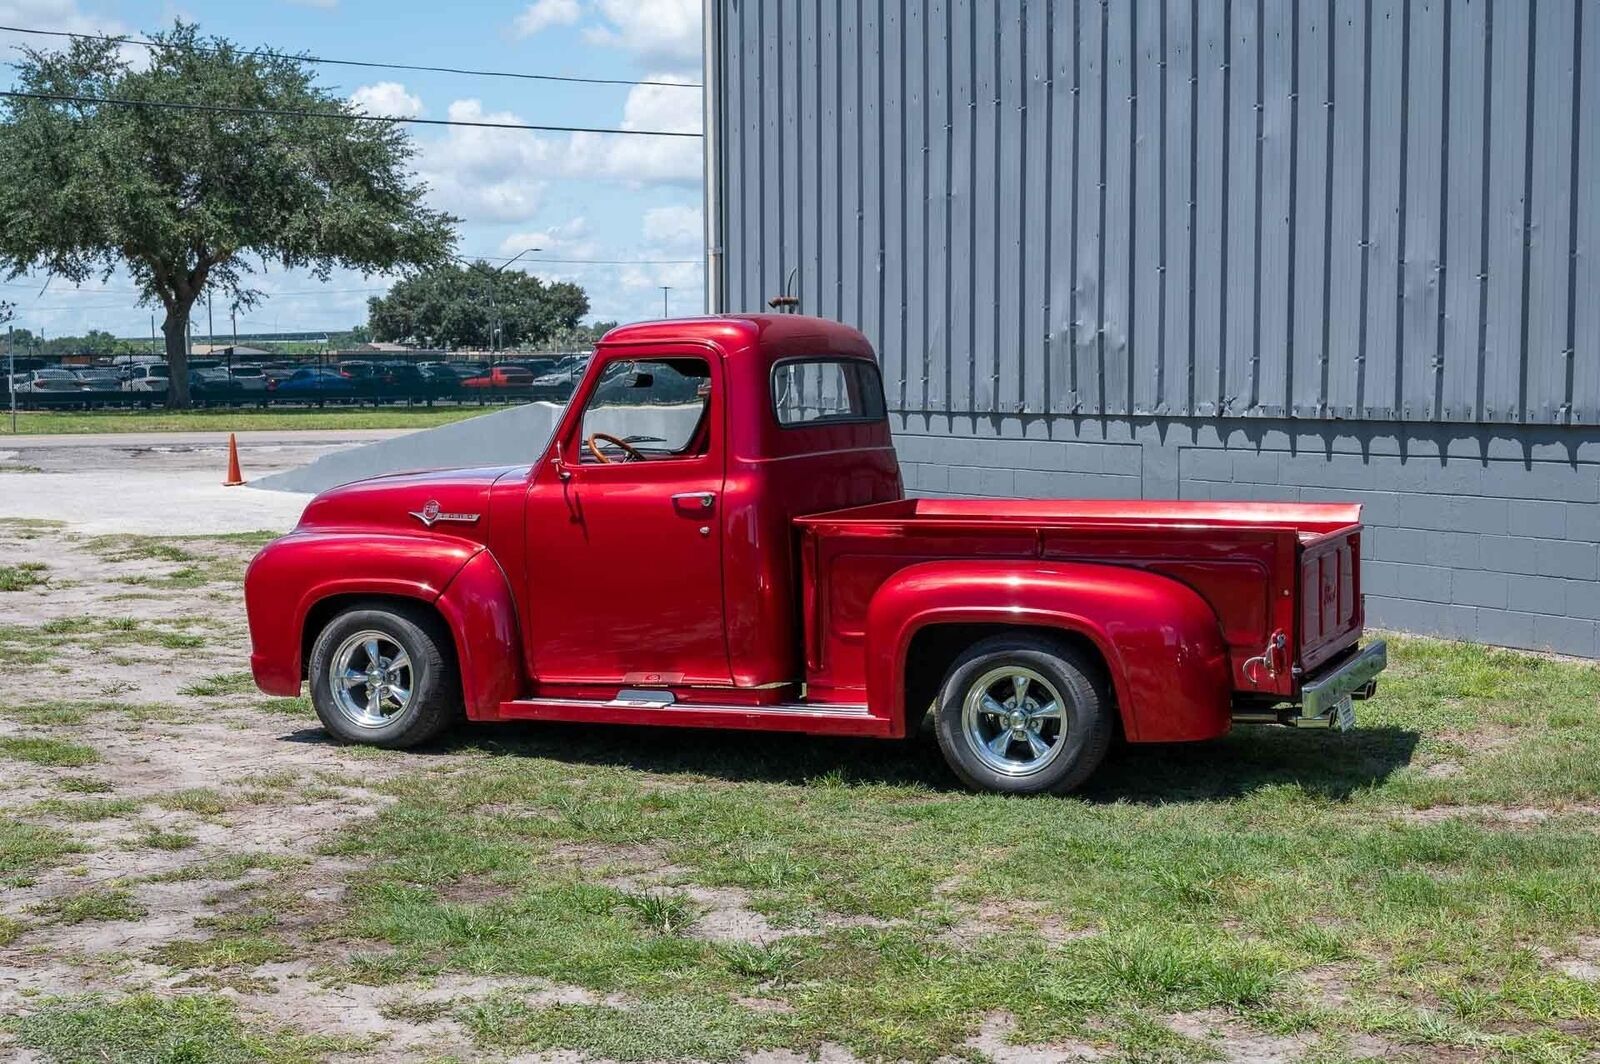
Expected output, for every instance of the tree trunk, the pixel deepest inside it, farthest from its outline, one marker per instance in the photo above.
(175, 330)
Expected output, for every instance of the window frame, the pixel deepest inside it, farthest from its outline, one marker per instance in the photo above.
(574, 447)
(826, 422)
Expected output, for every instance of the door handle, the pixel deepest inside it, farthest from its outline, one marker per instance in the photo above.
(688, 498)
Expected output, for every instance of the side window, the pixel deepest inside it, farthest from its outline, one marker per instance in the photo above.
(648, 410)
(809, 391)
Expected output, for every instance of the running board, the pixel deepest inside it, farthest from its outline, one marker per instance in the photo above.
(628, 708)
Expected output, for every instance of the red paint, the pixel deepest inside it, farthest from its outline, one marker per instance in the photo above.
(807, 574)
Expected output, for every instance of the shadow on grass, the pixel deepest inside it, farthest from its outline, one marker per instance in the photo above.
(1322, 764)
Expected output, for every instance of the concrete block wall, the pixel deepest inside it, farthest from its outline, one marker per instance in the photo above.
(1489, 534)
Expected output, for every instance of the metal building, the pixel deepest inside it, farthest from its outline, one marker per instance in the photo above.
(1259, 249)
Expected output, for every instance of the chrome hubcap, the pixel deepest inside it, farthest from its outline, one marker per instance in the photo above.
(1014, 720)
(370, 676)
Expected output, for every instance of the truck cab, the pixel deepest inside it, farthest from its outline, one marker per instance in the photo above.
(715, 535)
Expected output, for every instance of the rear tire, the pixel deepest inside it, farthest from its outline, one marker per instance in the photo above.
(385, 676)
(1024, 714)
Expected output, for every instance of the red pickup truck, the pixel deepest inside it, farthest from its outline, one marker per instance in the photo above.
(715, 536)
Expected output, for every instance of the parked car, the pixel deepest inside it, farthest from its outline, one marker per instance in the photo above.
(557, 385)
(99, 380)
(750, 561)
(148, 377)
(500, 378)
(46, 381)
(250, 378)
(213, 383)
(403, 380)
(315, 384)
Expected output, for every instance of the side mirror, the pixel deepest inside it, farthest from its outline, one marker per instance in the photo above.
(643, 380)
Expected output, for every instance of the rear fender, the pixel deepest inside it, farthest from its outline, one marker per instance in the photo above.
(1161, 642)
(291, 575)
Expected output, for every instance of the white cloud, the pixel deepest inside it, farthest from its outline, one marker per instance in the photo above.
(569, 239)
(59, 15)
(499, 175)
(542, 14)
(652, 29)
(674, 228)
(388, 98)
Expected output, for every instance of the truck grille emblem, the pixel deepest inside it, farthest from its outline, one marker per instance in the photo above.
(430, 514)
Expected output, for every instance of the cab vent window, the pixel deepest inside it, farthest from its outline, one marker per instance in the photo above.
(813, 391)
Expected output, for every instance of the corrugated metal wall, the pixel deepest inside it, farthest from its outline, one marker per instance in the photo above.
(1371, 209)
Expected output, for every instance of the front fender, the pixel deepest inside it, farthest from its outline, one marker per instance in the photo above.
(291, 575)
(483, 619)
(1161, 641)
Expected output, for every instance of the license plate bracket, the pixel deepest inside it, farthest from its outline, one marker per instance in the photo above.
(1344, 714)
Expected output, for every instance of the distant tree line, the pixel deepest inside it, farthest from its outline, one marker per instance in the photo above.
(475, 305)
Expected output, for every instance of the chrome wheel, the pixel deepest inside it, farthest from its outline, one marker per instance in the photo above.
(1014, 720)
(370, 678)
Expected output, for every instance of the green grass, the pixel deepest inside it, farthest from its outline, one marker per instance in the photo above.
(88, 809)
(47, 751)
(147, 1029)
(23, 575)
(26, 848)
(1223, 876)
(388, 417)
(114, 903)
(10, 930)
(227, 683)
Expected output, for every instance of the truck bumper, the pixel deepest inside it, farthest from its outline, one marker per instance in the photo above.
(1327, 699)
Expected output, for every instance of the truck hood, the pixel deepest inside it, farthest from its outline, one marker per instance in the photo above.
(452, 502)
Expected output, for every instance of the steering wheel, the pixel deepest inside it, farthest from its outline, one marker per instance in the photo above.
(627, 448)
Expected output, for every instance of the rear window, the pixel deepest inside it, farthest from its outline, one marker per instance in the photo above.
(816, 391)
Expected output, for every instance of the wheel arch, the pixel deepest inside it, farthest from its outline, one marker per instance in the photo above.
(1158, 640)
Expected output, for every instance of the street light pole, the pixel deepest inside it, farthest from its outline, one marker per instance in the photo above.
(494, 306)
(664, 290)
(11, 373)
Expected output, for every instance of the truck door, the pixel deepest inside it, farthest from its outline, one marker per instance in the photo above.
(624, 527)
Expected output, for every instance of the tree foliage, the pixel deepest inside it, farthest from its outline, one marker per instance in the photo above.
(191, 200)
(463, 305)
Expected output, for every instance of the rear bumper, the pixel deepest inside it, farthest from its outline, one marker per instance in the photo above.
(1356, 677)
(1322, 697)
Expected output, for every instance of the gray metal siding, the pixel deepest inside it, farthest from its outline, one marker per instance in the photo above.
(1383, 210)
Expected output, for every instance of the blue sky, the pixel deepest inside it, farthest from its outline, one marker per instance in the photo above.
(576, 196)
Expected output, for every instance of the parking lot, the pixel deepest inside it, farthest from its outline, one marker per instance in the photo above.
(339, 379)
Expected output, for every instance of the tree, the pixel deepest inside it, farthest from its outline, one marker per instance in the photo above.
(463, 306)
(191, 200)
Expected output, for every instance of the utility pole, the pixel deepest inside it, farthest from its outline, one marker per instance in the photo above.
(155, 348)
(664, 290)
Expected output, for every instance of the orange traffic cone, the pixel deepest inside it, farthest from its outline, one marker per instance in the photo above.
(234, 476)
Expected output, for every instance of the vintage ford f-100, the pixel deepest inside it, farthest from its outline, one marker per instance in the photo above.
(715, 536)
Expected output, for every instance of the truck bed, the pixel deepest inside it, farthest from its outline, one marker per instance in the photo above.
(1263, 567)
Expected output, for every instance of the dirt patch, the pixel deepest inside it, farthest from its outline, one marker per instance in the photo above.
(1581, 961)
(1237, 1043)
(993, 1040)
(1509, 815)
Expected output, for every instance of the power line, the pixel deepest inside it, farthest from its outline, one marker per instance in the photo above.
(221, 108)
(269, 54)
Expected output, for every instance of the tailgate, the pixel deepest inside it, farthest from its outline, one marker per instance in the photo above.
(1330, 614)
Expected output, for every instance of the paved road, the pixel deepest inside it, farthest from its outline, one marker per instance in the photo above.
(160, 483)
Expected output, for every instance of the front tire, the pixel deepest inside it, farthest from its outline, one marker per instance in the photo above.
(1024, 714)
(385, 676)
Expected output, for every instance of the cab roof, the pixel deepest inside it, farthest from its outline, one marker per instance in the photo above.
(759, 337)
